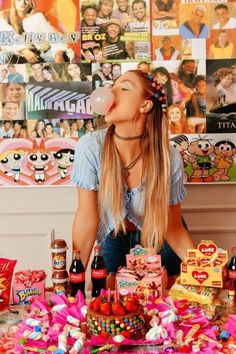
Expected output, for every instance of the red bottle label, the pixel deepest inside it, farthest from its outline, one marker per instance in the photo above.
(98, 273)
(77, 277)
(232, 274)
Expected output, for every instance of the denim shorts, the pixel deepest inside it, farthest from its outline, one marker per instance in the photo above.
(115, 248)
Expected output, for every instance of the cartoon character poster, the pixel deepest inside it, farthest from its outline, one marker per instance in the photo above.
(207, 158)
(30, 162)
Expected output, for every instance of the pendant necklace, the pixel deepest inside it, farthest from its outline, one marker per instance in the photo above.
(125, 170)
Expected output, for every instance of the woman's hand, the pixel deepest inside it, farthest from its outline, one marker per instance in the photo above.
(30, 56)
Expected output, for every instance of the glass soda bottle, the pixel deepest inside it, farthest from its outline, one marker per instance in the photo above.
(98, 272)
(77, 274)
(232, 267)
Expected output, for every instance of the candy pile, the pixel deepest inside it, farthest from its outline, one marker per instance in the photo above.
(183, 328)
(29, 277)
(7, 340)
(54, 327)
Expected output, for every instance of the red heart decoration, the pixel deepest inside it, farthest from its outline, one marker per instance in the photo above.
(200, 276)
(207, 250)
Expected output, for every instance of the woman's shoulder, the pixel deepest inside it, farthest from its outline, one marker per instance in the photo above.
(93, 140)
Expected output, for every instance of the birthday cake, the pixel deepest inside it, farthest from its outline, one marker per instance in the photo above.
(111, 317)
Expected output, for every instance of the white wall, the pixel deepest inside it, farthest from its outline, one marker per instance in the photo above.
(28, 215)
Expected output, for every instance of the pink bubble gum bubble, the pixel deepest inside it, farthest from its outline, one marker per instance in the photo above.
(101, 100)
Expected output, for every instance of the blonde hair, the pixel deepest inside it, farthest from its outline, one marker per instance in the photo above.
(155, 175)
(13, 19)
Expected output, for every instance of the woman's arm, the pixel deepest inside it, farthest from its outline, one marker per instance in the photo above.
(197, 112)
(186, 91)
(86, 222)
(177, 236)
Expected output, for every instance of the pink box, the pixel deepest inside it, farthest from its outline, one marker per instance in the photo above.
(143, 285)
(143, 276)
(24, 295)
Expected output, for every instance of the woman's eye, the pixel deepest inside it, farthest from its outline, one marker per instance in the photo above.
(125, 87)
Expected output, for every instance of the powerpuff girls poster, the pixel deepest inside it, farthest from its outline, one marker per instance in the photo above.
(27, 162)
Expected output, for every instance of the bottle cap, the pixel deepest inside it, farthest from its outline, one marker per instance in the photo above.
(58, 246)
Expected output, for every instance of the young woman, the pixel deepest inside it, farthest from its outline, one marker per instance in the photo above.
(50, 74)
(178, 120)
(74, 72)
(39, 129)
(175, 91)
(130, 182)
(223, 81)
(23, 17)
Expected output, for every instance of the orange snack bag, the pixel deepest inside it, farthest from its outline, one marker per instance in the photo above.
(6, 271)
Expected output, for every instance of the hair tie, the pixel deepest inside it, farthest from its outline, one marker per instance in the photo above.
(159, 92)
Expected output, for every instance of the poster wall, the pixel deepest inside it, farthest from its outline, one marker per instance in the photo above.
(54, 54)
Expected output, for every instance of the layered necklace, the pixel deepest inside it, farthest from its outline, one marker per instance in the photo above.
(125, 170)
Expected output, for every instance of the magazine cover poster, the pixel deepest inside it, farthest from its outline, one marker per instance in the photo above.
(12, 111)
(39, 31)
(207, 158)
(12, 73)
(36, 162)
(184, 84)
(53, 72)
(165, 17)
(221, 96)
(194, 20)
(117, 30)
(221, 44)
(69, 100)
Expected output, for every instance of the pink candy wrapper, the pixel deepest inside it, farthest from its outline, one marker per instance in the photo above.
(29, 285)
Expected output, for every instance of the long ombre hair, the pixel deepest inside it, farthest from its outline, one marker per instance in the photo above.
(13, 19)
(155, 174)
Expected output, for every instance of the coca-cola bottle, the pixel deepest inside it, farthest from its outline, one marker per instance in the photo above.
(77, 274)
(98, 272)
(232, 267)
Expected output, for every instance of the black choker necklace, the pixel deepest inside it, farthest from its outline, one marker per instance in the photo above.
(128, 138)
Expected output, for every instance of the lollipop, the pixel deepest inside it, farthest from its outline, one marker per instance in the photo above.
(101, 100)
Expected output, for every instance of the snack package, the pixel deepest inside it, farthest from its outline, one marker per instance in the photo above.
(29, 285)
(204, 295)
(6, 271)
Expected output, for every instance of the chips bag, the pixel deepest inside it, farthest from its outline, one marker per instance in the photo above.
(6, 271)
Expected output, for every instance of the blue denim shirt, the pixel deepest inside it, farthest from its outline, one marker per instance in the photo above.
(86, 172)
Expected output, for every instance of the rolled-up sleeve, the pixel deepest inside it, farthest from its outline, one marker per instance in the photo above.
(177, 190)
(85, 168)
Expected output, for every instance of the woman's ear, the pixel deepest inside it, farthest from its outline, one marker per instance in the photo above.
(146, 106)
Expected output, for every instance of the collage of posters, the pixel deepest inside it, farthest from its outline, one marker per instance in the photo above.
(54, 54)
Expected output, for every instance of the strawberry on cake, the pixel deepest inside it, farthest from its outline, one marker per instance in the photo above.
(110, 316)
